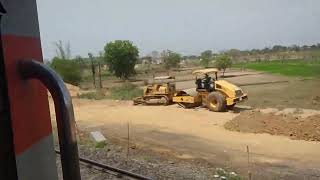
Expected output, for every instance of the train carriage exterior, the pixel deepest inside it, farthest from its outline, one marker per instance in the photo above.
(26, 142)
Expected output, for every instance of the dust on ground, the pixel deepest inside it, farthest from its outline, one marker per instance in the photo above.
(288, 122)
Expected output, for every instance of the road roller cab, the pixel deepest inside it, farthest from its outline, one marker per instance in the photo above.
(216, 95)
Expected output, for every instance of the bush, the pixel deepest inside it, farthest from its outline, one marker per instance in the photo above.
(127, 91)
(69, 70)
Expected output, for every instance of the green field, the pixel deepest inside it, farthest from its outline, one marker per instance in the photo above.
(126, 91)
(288, 68)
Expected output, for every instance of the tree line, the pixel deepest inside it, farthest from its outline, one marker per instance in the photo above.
(121, 57)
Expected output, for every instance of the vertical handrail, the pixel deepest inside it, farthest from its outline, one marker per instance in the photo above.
(31, 69)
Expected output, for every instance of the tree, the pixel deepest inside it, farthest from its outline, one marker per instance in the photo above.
(63, 51)
(121, 57)
(277, 48)
(93, 69)
(223, 62)
(266, 50)
(295, 48)
(171, 59)
(206, 57)
(99, 68)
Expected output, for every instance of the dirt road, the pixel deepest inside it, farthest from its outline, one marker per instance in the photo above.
(197, 133)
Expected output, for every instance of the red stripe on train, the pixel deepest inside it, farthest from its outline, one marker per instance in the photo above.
(28, 100)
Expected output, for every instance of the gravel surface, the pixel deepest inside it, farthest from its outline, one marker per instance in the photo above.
(147, 163)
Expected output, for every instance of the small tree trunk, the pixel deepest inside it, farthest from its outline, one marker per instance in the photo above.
(93, 73)
(224, 70)
(100, 82)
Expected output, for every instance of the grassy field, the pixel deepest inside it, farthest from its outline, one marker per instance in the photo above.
(289, 67)
(126, 91)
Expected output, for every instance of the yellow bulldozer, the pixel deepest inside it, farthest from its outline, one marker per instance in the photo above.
(160, 92)
(216, 95)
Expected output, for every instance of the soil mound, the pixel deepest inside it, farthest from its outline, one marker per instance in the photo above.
(73, 90)
(285, 125)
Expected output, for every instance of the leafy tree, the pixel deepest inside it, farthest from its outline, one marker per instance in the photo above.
(223, 62)
(171, 59)
(121, 57)
(206, 57)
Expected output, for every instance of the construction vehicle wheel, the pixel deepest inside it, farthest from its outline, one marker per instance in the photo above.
(216, 102)
(165, 100)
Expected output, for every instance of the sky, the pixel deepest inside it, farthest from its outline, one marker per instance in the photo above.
(185, 26)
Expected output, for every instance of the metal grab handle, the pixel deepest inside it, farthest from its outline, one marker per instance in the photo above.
(32, 69)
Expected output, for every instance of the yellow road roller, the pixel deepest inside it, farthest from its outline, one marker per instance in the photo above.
(216, 95)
